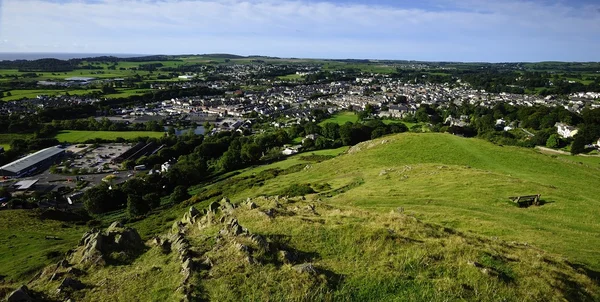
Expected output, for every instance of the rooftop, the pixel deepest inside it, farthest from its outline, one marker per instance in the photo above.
(80, 79)
(25, 184)
(32, 159)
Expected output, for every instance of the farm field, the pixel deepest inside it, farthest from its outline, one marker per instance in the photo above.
(32, 93)
(291, 77)
(78, 136)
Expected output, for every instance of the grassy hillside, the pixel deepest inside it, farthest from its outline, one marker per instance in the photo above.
(417, 217)
(291, 249)
(24, 249)
(79, 136)
(465, 184)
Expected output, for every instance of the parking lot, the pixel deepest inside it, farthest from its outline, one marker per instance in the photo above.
(95, 160)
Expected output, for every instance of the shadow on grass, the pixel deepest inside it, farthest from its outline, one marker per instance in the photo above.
(542, 202)
(592, 274)
(295, 256)
(572, 290)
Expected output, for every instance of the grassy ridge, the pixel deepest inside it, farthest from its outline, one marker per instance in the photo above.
(79, 136)
(465, 184)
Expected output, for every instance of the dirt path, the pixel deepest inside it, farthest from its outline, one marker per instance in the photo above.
(553, 151)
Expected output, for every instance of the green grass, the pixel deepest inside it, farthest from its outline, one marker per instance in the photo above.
(77, 136)
(32, 93)
(456, 237)
(23, 247)
(341, 118)
(7, 138)
(121, 93)
(291, 77)
(465, 184)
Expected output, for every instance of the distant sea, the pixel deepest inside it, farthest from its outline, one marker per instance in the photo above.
(11, 56)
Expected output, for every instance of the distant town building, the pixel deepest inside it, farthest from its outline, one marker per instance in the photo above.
(565, 130)
(31, 163)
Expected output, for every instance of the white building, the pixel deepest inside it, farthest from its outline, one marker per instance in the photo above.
(164, 168)
(566, 131)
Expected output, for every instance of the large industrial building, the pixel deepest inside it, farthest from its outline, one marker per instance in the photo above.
(32, 163)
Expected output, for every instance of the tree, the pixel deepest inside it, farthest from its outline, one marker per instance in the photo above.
(127, 164)
(578, 145)
(4, 193)
(553, 141)
(230, 160)
(331, 130)
(136, 206)
(308, 144)
(179, 194)
(152, 199)
(251, 153)
(94, 199)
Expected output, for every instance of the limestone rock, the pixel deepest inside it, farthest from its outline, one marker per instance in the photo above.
(305, 268)
(213, 207)
(252, 205)
(21, 294)
(115, 225)
(190, 216)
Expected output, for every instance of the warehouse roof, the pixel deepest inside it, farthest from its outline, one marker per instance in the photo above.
(31, 160)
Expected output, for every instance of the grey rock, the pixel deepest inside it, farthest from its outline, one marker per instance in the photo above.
(259, 241)
(21, 294)
(213, 207)
(63, 263)
(305, 268)
(114, 226)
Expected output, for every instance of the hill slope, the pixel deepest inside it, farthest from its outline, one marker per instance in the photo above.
(465, 184)
(282, 249)
(405, 217)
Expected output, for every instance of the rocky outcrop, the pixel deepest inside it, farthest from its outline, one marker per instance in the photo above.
(95, 246)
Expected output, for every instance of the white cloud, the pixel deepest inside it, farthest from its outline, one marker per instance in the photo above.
(476, 30)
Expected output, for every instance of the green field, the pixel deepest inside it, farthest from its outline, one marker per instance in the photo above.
(127, 92)
(77, 136)
(465, 184)
(7, 138)
(347, 116)
(32, 93)
(291, 77)
(341, 118)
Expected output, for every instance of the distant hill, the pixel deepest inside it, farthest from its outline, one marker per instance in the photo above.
(417, 217)
(222, 56)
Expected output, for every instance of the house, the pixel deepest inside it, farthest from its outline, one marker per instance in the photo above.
(400, 111)
(164, 168)
(291, 150)
(566, 131)
(463, 121)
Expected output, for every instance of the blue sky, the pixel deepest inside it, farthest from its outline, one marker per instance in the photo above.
(435, 30)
